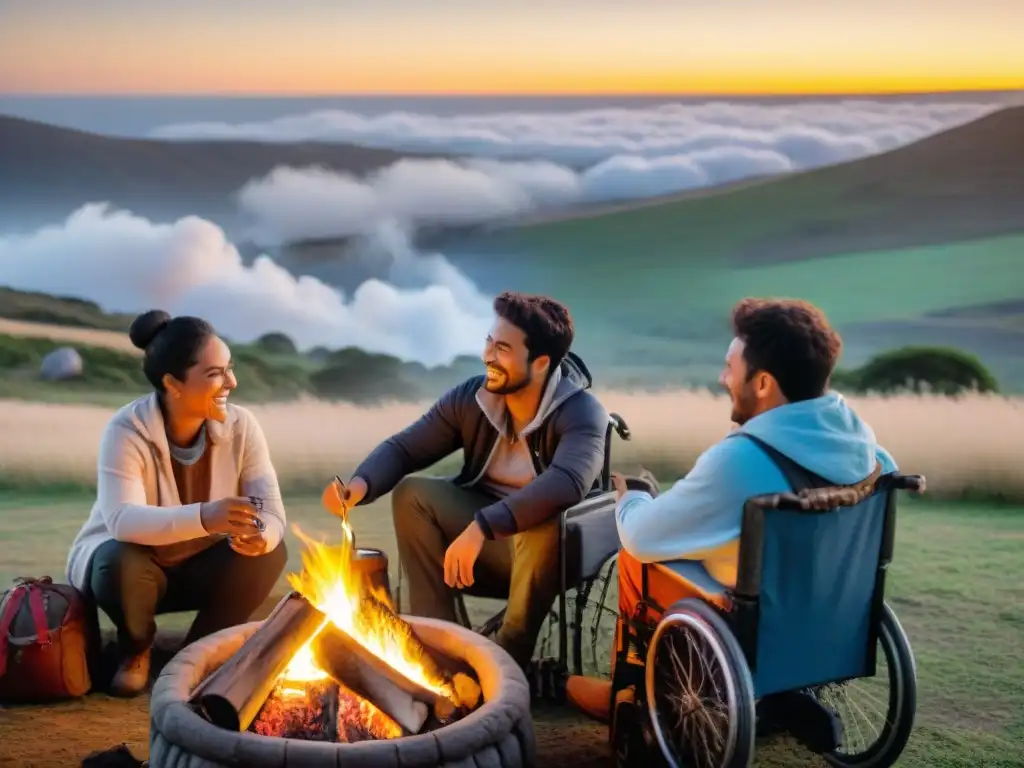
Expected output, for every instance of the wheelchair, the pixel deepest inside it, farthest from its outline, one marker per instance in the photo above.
(588, 542)
(693, 687)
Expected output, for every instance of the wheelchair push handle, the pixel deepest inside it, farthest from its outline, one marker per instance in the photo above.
(619, 425)
(834, 497)
(912, 483)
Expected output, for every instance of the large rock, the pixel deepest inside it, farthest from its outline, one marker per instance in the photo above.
(63, 363)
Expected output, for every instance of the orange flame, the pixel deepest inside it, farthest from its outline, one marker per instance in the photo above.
(329, 582)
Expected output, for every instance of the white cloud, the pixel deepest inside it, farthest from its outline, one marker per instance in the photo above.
(290, 204)
(626, 176)
(807, 133)
(510, 164)
(129, 264)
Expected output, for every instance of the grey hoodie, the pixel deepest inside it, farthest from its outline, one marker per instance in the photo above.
(566, 442)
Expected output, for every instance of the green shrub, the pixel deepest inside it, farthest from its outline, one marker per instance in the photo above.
(276, 343)
(363, 377)
(58, 310)
(261, 378)
(942, 370)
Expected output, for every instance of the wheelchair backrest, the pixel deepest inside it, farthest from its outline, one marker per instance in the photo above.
(811, 579)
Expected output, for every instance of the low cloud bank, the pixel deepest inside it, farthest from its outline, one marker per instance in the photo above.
(429, 313)
(291, 204)
(510, 164)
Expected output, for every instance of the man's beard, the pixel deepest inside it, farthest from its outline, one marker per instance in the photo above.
(508, 386)
(743, 406)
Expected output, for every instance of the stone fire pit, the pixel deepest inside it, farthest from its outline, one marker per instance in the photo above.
(498, 734)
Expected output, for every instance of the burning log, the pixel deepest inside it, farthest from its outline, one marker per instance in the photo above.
(359, 719)
(376, 617)
(449, 695)
(232, 695)
(333, 652)
(322, 710)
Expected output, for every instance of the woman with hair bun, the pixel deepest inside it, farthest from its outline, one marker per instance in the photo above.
(188, 512)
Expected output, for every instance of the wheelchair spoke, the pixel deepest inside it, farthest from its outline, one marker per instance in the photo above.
(692, 699)
(867, 707)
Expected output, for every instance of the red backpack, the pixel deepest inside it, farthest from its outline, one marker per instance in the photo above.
(48, 637)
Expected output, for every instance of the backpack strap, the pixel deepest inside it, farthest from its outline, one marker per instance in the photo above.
(38, 609)
(11, 606)
(37, 606)
(799, 478)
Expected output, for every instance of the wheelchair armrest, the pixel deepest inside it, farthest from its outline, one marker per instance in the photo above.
(596, 501)
(590, 536)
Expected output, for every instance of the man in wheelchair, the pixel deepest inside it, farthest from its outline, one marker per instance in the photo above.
(533, 442)
(777, 372)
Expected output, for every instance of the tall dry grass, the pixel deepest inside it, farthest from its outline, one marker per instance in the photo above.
(93, 337)
(972, 444)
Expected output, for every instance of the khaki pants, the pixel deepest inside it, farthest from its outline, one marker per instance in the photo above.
(429, 514)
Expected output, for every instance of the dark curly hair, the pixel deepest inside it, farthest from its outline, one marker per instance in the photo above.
(546, 323)
(790, 339)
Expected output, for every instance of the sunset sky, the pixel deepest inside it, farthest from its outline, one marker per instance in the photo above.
(509, 46)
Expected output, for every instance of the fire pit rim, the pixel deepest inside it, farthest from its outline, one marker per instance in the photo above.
(505, 691)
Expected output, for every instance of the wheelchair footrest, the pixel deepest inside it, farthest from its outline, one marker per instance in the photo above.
(547, 679)
(632, 740)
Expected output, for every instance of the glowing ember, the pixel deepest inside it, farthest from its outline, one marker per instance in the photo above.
(330, 582)
(323, 710)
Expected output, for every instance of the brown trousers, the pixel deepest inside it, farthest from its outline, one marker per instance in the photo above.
(429, 514)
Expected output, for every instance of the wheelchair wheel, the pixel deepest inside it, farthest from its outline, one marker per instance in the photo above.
(594, 614)
(877, 712)
(700, 696)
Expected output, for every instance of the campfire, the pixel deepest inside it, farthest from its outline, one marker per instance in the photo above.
(335, 662)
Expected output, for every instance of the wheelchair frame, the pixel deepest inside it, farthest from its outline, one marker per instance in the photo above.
(742, 617)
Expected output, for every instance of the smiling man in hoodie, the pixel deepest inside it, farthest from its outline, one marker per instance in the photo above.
(777, 372)
(532, 437)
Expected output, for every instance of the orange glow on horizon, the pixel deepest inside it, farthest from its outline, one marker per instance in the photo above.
(511, 51)
(608, 85)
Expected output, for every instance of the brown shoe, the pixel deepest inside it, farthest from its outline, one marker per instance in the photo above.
(590, 695)
(132, 676)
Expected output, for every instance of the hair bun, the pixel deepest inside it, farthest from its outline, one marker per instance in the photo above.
(146, 326)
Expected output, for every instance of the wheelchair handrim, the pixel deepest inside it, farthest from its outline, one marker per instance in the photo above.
(889, 641)
(696, 624)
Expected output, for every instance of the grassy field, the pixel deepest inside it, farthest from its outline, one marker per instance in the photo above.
(968, 446)
(955, 583)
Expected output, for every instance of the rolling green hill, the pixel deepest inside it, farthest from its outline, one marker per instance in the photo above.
(49, 171)
(960, 184)
(895, 247)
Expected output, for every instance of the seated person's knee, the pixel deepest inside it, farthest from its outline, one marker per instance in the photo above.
(405, 494)
(118, 563)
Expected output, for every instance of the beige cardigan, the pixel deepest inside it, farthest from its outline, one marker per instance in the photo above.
(136, 496)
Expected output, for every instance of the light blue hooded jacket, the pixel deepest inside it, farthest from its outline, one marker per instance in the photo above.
(699, 517)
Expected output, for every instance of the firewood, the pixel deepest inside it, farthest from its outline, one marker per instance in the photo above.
(376, 613)
(359, 719)
(448, 705)
(231, 696)
(335, 655)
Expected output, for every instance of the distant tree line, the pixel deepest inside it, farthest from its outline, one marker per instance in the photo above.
(272, 368)
(922, 370)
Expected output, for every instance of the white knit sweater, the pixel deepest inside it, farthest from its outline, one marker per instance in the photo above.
(137, 499)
